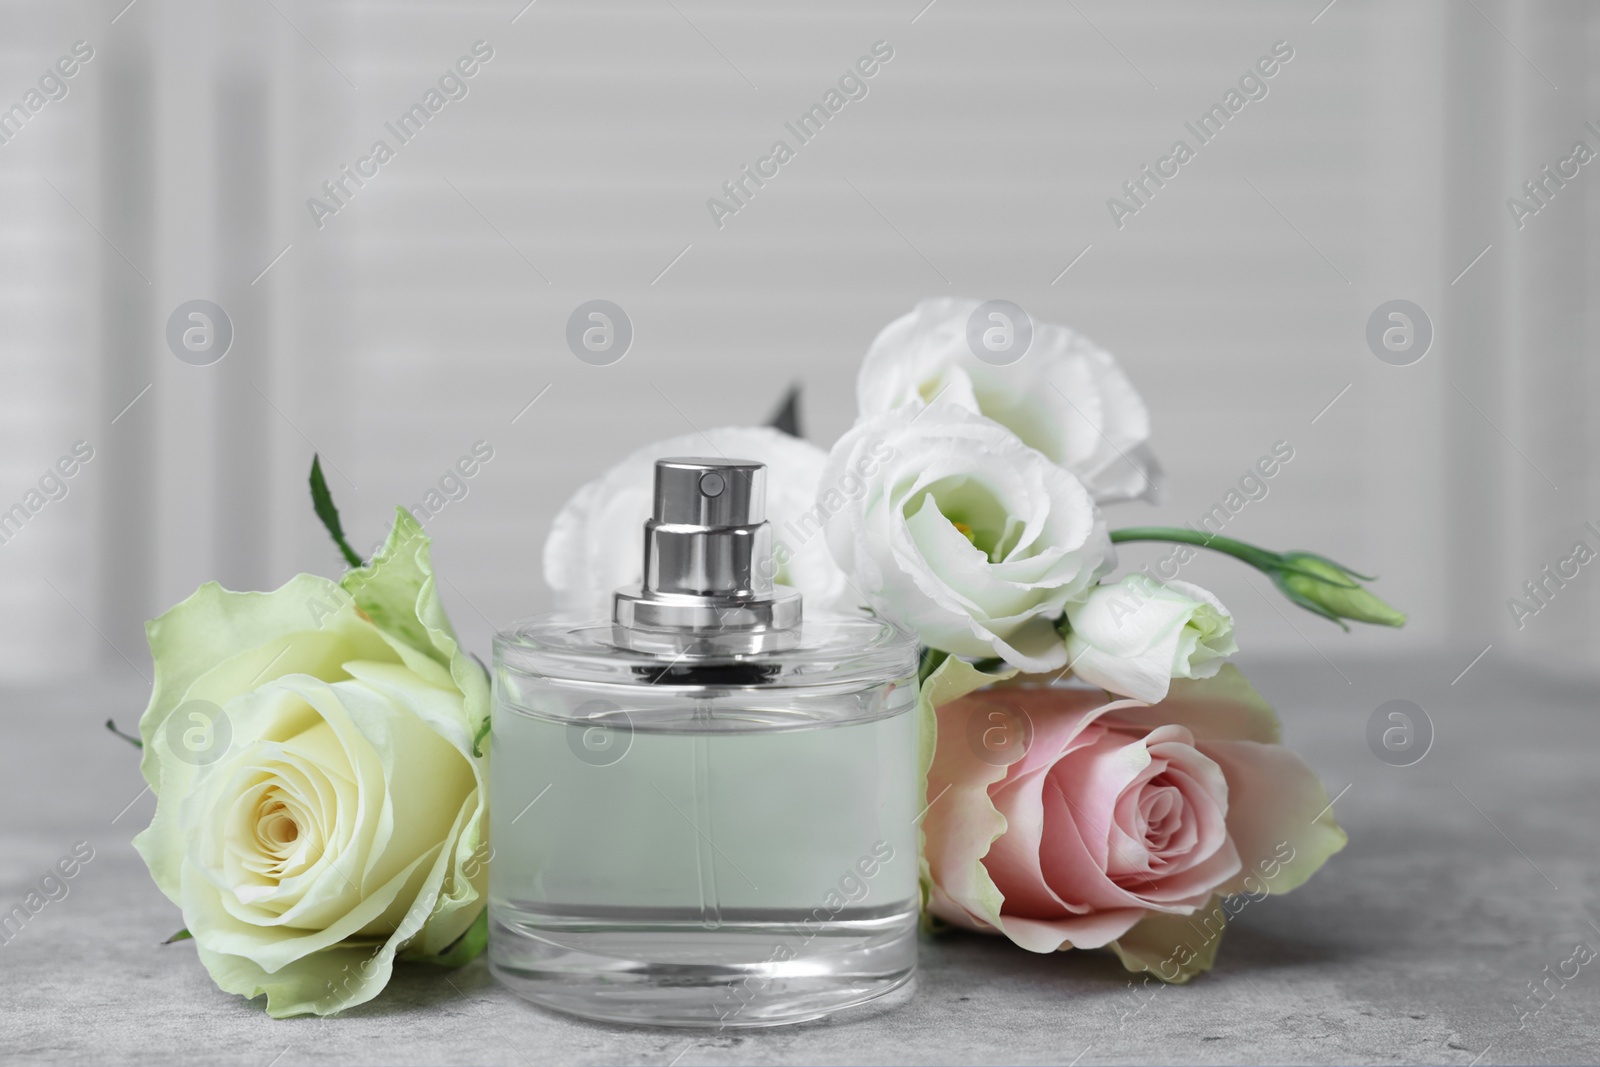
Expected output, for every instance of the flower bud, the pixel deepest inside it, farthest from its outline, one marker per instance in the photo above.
(1134, 636)
(1332, 590)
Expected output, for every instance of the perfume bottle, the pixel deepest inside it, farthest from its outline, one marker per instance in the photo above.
(704, 805)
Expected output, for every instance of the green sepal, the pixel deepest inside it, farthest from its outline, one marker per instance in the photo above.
(111, 724)
(322, 503)
(466, 948)
(787, 418)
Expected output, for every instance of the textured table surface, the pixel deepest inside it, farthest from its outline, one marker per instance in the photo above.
(1466, 875)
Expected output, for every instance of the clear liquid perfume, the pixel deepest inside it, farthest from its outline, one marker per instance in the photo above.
(704, 806)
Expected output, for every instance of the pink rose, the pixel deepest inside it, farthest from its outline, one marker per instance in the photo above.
(1071, 822)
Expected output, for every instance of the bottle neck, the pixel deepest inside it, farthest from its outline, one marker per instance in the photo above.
(722, 561)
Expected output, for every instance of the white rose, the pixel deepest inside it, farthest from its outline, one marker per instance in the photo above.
(320, 810)
(959, 532)
(1135, 636)
(596, 543)
(1067, 397)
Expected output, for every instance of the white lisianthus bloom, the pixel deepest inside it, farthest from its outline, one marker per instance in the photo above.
(962, 534)
(1066, 397)
(1133, 637)
(322, 800)
(596, 543)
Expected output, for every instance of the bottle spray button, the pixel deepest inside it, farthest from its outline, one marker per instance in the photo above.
(709, 568)
(710, 492)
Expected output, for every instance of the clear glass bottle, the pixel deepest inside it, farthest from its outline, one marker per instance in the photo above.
(704, 807)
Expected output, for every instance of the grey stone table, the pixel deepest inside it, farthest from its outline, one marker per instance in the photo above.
(1466, 875)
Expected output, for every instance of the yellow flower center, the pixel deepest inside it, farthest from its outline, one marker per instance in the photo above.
(276, 827)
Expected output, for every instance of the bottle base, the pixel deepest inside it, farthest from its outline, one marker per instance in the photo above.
(738, 973)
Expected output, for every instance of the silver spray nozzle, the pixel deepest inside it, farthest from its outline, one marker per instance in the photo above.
(708, 566)
(710, 492)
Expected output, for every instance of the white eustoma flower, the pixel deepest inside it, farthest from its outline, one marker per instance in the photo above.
(1133, 637)
(962, 533)
(596, 543)
(1066, 397)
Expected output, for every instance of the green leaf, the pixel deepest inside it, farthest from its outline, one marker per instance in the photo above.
(181, 935)
(466, 948)
(483, 731)
(787, 417)
(322, 503)
(134, 741)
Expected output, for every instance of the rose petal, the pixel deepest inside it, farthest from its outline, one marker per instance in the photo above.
(1174, 948)
(960, 822)
(1278, 815)
(1224, 707)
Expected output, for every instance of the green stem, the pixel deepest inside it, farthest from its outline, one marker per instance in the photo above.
(1259, 558)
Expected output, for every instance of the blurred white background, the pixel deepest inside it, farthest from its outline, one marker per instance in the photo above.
(426, 314)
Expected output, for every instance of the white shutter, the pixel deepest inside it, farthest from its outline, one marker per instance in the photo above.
(49, 561)
(429, 310)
